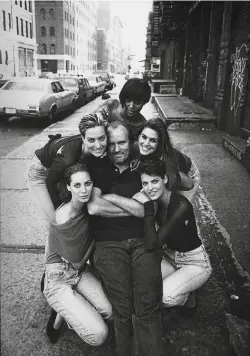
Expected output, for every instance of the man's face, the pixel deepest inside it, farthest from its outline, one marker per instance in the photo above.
(118, 145)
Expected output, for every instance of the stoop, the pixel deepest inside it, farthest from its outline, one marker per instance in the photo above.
(237, 147)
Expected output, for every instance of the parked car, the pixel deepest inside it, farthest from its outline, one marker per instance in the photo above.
(106, 77)
(97, 82)
(134, 74)
(79, 85)
(34, 97)
(46, 75)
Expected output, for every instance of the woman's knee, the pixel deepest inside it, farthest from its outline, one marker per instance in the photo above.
(170, 300)
(98, 337)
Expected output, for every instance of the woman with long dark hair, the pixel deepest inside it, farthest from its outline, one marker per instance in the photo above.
(71, 287)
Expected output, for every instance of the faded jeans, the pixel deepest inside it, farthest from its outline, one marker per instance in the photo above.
(79, 299)
(133, 281)
(37, 176)
(183, 272)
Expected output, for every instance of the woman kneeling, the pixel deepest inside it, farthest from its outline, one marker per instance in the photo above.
(185, 264)
(71, 287)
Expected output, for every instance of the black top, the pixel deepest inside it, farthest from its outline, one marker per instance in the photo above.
(179, 231)
(70, 153)
(109, 180)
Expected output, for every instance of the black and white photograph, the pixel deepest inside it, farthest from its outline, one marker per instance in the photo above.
(125, 178)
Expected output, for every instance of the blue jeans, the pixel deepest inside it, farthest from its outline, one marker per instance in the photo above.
(79, 299)
(133, 281)
(182, 273)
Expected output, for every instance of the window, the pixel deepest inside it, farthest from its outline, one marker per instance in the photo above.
(65, 32)
(44, 49)
(52, 49)
(17, 26)
(9, 21)
(31, 31)
(59, 87)
(4, 21)
(16, 2)
(21, 3)
(25, 5)
(42, 14)
(65, 16)
(54, 88)
(1, 60)
(73, 21)
(52, 13)
(27, 28)
(43, 31)
(22, 27)
(70, 35)
(30, 6)
(73, 36)
(6, 58)
(52, 31)
(69, 18)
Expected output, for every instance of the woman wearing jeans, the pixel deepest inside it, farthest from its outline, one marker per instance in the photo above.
(185, 265)
(71, 287)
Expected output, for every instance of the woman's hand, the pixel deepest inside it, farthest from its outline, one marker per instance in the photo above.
(141, 197)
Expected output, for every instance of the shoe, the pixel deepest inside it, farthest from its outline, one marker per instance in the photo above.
(189, 308)
(42, 282)
(53, 334)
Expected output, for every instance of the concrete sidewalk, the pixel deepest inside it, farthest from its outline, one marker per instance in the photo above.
(223, 218)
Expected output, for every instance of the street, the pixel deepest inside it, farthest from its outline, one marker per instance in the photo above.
(24, 310)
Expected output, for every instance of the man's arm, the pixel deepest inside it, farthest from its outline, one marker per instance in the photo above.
(101, 207)
(130, 205)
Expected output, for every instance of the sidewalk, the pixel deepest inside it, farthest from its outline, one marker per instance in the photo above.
(223, 217)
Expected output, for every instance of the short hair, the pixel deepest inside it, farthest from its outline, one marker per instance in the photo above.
(152, 168)
(116, 123)
(135, 89)
(91, 120)
(75, 168)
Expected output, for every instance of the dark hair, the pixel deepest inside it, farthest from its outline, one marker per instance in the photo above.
(135, 89)
(91, 120)
(75, 168)
(152, 168)
(165, 150)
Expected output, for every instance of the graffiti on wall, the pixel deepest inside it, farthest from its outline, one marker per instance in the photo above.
(238, 60)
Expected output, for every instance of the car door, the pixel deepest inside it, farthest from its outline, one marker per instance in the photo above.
(82, 94)
(89, 89)
(65, 95)
(58, 99)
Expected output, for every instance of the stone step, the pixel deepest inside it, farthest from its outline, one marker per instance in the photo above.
(236, 146)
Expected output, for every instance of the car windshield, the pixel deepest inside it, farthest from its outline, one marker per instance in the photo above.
(92, 78)
(68, 82)
(32, 85)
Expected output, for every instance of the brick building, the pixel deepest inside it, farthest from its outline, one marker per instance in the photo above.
(18, 39)
(205, 46)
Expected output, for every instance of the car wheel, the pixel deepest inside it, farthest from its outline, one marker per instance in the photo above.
(52, 115)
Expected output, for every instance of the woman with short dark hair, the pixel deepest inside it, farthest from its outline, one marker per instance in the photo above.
(133, 96)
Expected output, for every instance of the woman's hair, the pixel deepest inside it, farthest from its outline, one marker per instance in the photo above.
(91, 120)
(135, 89)
(165, 150)
(153, 168)
(64, 194)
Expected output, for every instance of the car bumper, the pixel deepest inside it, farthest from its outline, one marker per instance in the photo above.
(23, 113)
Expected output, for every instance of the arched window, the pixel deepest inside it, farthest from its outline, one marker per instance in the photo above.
(42, 14)
(52, 31)
(52, 49)
(43, 31)
(6, 58)
(44, 49)
(52, 13)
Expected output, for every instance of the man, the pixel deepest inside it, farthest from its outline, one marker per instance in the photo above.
(131, 275)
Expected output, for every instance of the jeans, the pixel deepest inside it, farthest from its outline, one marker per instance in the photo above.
(132, 278)
(37, 176)
(79, 299)
(183, 272)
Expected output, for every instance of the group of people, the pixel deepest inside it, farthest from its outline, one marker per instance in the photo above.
(122, 239)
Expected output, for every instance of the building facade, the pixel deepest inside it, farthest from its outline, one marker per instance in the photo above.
(18, 39)
(205, 47)
(66, 36)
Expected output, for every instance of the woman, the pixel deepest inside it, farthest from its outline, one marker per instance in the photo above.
(71, 288)
(133, 96)
(154, 143)
(49, 162)
(185, 265)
